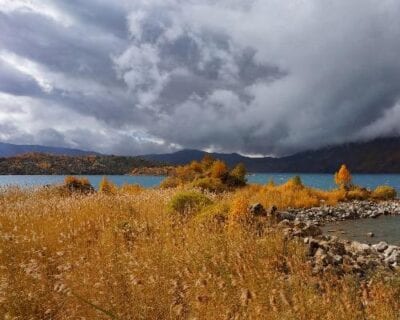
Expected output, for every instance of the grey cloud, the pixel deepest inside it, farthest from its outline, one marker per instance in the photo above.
(14, 82)
(264, 77)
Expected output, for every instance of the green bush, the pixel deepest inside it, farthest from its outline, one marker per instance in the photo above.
(187, 202)
(238, 175)
(384, 193)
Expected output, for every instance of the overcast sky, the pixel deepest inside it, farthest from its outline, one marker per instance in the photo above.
(265, 77)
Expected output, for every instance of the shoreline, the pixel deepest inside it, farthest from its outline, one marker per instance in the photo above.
(330, 253)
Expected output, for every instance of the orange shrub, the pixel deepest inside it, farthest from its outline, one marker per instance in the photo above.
(219, 170)
(74, 184)
(107, 187)
(343, 177)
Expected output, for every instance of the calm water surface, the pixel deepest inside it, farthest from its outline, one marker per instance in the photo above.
(322, 181)
(385, 229)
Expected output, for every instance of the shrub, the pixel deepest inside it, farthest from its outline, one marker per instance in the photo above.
(343, 177)
(219, 170)
(209, 184)
(295, 182)
(214, 216)
(187, 202)
(74, 184)
(384, 193)
(170, 182)
(209, 174)
(357, 193)
(237, 176)
(207, 162)
(107, 187)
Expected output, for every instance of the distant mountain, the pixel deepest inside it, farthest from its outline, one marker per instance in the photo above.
(186, 156)
(10, 150)
(377, 156)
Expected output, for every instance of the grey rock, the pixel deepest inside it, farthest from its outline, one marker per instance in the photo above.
(285, 215)
(381, 246)
(257, 209)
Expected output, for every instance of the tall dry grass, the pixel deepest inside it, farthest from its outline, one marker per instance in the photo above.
(125, 256)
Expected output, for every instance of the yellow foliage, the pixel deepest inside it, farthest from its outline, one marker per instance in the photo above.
(209, 174)
(210, 184)
(207, 162)
(80, 185)
(357, 193)
(343, 177)
(219, 169)
(107, 187)
(384, 193)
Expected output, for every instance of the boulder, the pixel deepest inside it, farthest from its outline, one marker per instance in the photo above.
(394, 257)
(389, 250)
(285, 224)
(381, 246)
(257, 209)
(360, 248)
(311, 230)
(313, 246)
(285, 215)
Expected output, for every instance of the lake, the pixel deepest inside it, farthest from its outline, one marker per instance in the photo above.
(385, 228)
(322, 181)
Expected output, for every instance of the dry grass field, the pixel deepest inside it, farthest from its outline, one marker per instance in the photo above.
(130, 253)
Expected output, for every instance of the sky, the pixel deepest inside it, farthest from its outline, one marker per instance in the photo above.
(258, 77)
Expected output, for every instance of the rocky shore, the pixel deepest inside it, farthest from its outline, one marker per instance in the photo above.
(346, 211)
(328, 252)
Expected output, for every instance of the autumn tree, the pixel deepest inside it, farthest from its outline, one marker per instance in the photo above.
(219, 169)
(207, 161)
(343, 177)
(239, 174)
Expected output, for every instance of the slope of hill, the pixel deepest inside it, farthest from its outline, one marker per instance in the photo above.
(40, 163)
(10, 150)
(377, 156)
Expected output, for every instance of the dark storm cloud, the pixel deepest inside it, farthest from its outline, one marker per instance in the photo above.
(264, 77)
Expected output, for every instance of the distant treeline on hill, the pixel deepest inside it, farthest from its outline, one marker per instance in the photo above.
(41, 163)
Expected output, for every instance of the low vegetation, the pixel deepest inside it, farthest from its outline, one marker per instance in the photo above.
(126, 253)
(208, 174)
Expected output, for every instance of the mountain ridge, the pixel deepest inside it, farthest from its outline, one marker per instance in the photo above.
(380, 155)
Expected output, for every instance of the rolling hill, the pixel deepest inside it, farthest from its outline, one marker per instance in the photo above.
(10, 150)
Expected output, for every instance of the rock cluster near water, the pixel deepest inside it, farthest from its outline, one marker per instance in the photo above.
(342, 256)
(329, 252)
(346, 210)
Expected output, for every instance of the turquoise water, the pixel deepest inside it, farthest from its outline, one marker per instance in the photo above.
(325, 181)
(322, 181)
